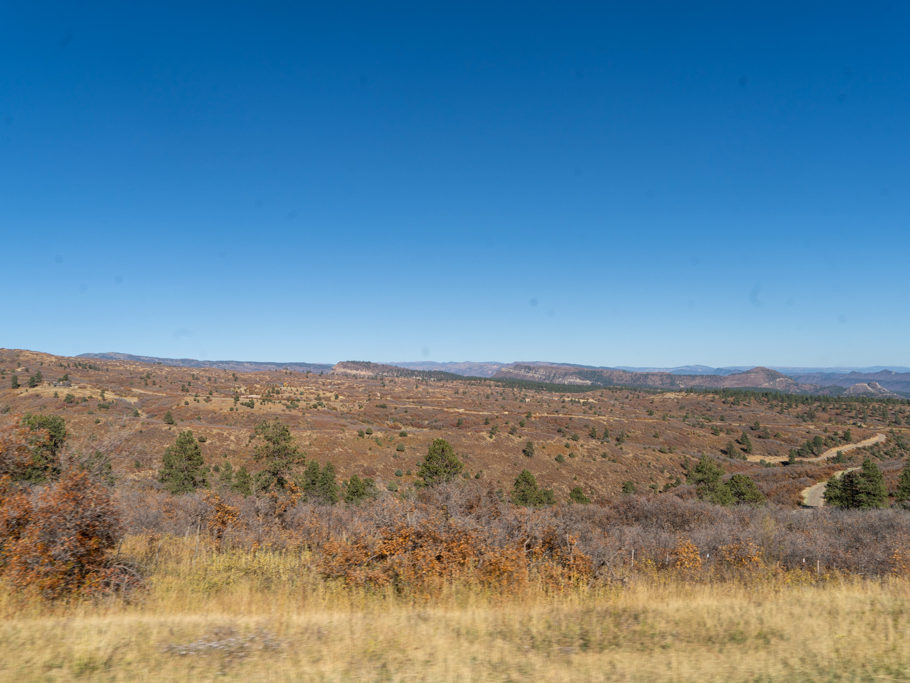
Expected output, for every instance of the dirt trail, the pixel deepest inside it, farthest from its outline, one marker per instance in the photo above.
(830, 453)
(814, 496)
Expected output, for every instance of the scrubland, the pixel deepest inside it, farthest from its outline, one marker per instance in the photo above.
(264, 615)
(110, 570)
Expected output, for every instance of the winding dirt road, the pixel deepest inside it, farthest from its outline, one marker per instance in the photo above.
(814, 496)
(830, 453)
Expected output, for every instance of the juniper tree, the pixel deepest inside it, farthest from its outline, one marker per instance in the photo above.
(357, 489)
(440, 464)
(526, 492)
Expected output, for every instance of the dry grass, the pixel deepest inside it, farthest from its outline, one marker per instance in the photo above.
(265, 615)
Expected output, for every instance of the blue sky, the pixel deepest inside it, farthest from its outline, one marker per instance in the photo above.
(607, 183)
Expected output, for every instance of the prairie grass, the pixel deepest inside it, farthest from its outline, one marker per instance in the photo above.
(266, 615)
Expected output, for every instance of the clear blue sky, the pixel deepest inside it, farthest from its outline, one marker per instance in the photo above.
(616, 183)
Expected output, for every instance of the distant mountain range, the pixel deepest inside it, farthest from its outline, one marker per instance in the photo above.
(875, 381)
(232, 365)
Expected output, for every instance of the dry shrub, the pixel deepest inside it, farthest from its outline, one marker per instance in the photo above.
(15, 451)
(15, 515)
(686, 557)
(427, 547)
(220, 517)
(62, 548)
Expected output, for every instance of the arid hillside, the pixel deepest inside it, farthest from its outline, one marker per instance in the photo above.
(379, 426)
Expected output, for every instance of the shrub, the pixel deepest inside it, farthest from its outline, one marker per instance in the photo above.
(63, 549)
(528, 450)
(577, 495)
(526, 492)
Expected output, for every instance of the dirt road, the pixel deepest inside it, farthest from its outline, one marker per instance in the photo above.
(814, 496)
(830, 453)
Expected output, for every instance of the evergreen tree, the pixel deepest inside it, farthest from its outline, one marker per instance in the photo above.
(731, 450)
(577, 495)
(870, 491)
(168, 418)
(902, 495)
(327, 489)
(861, 489)
(528, 450)
(746, 442)
(14, 382)
(183, 469)
(525, 492)
(835, 494)
(243, 482)
(708, 486)
(226, 476)
(744, 490)
(357, 490)
(279, 454)
(440, 464)
(47, 436)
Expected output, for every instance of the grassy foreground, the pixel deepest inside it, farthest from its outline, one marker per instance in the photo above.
(266, 616)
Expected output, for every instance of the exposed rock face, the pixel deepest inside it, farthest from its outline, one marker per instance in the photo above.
(756, 378)
(869, 389)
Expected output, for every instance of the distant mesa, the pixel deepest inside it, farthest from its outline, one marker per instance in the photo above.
(877, 382)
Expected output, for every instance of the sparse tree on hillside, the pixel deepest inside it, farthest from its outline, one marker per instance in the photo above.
(527, 493)
(744, 490)
(357, 490)
(577, 495)
(708, 486)
(746, 442)
(440, 464)
(279, 454)
(168, 418)
(528, 450)
(243, 482)
(183, 469)
(14, 382)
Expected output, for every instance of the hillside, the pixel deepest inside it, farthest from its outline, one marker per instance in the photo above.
(377, 420)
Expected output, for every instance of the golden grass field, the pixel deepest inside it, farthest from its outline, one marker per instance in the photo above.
(265, 615)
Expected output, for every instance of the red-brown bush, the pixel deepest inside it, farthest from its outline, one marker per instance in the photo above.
(59, 545)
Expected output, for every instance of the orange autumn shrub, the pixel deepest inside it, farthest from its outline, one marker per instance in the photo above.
(416, 555)
(62, 549)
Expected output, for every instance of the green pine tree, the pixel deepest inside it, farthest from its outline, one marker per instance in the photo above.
(577, 495)
(902, 495)
(440, 464)
(744, 490)
(243, 482)
(357, 490)
(527, 493)
(278, 453)
(183, 469)
(47, 434)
